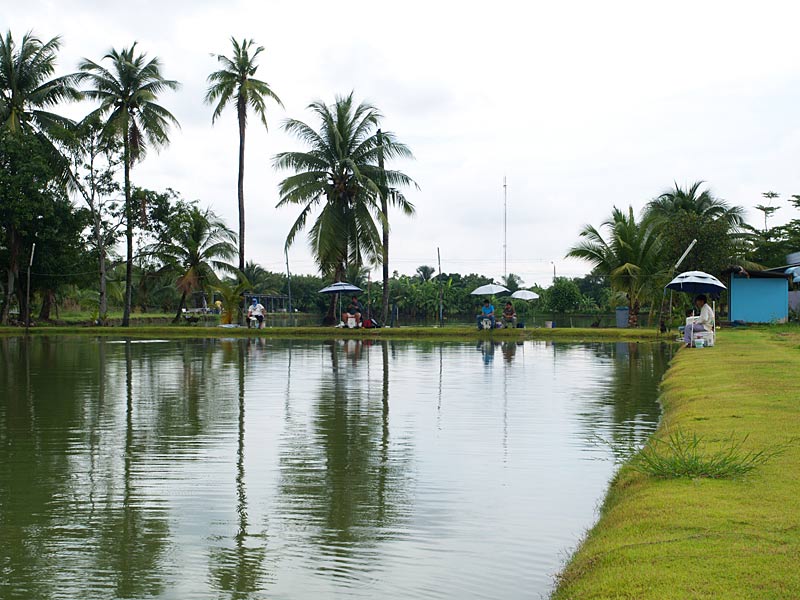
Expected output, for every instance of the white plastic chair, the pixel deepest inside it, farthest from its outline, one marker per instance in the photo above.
(708, 336)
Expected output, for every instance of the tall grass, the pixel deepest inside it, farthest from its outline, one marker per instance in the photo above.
(684, 455)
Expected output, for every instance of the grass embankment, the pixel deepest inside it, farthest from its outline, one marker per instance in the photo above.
(709, 538)
(409, 333)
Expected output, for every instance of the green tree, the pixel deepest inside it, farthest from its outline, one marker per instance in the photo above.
(93, 175)
(28, 91)
(339, 174)
(127, 92)
(512, 282)
(234, 82)
(563, 295)
(768, 210)
(629, 256)
(425, 272)
(199, 244)
(671, 204)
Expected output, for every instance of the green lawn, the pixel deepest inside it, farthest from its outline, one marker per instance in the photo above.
(705, 538)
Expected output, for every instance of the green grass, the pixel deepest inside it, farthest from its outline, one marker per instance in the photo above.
(702, 537)
(431, 333)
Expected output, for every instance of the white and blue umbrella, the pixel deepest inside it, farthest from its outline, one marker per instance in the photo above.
(696, 282)
(525, 295)
(490, 289)
(340, 287)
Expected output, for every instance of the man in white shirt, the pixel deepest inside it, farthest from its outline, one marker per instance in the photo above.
(705, 321)
(256, 311)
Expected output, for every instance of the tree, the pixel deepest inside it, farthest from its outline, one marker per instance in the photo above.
(235, 82)
(768, 210)
(127, 93)
(340, 175)
(512, 282)
(199, 244)
(27, 92)
(425, 272)
(629, 257)
(94, 166)
(563, 295)
(672, 203)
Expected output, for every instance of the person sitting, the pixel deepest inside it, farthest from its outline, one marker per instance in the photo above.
(487, 312)
(255, 311)
(509, 315)
(355, 310)
(705, 322)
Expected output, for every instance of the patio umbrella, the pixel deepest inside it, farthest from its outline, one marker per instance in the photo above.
(525, 295)
(340, 287)
(697, 282)
(489, 290)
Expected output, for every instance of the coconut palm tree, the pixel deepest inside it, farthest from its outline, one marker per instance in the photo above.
(670, 203)
(628, 256)
(198, 244)
(235, 82)
(128, 91)
(341, 176)
(27, 91)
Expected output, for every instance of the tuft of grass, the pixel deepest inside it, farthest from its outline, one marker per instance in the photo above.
(688, 455)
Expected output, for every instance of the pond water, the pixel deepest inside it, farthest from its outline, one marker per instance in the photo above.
(246, 468)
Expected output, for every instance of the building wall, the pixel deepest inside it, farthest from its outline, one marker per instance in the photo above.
(759, 300)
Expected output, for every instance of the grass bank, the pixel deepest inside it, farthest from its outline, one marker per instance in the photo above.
(409, 333)
(709, 538)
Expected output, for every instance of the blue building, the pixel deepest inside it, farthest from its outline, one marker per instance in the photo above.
(758, 296)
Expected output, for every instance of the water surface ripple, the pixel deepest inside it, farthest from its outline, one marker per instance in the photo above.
(215, 468)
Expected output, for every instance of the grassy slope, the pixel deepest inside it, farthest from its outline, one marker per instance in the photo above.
(705, 538)
(431, 333)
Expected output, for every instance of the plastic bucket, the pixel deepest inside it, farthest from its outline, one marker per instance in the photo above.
(699, 343)
(548, 324)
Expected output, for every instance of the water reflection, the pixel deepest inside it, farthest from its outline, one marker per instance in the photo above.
(248, 468)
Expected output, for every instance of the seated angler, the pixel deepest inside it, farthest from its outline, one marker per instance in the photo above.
(487, 312)
(509, 315)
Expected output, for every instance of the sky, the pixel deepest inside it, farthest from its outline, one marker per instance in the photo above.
(580, 106)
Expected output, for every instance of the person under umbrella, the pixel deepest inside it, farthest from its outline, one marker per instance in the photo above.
(487, 312)
(705, 322)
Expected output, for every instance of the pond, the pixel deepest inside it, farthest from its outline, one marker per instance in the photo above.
(258, 468)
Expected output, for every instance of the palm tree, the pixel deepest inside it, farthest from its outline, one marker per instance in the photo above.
(628, 257)
(340, 174)
(670, 203)
(198, 244)
(235, 82)
(425, 272)
(127, 93)
(27, 91)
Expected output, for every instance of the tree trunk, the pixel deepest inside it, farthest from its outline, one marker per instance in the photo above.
(180, 308)
(48, 299)
(330, 317)
(385, 226)
(241, 110)
(633, 313)
(102, 307)
(12, 271)
(126, 312)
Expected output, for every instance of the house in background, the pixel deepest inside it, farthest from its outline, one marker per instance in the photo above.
(758, 296)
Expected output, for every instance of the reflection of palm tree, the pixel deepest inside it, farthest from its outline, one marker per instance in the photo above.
(239, 569)
(131, 534)
(349, 483)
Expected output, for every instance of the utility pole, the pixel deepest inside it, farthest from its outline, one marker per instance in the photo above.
(289, 285)
(28, 292)
(441, 290)
(505, 231)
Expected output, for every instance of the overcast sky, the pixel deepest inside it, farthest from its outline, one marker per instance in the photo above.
(581, 105)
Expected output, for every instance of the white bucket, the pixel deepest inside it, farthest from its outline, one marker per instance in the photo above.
(548, 324)
(699, 343)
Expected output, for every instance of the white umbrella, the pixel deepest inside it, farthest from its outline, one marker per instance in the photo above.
(525, 295)
(696, 282)
(340, 287)
(489, 290)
